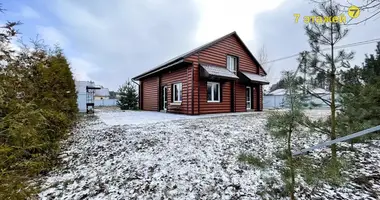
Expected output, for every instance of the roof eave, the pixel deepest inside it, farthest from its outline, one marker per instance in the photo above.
(224, 77)
(244, 76)
(150, 72)
(261, 82)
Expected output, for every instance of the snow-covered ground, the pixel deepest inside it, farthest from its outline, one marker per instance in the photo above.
(117, 117)
(116, 156)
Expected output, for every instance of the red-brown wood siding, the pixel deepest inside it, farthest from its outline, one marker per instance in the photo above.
(215, 107)
(262, 72)
(196, 89)
(140, 95)
(150, 94)
(241, 103)
(189, 89)
(261, 98)
(254, 93)
(216, 54)
(178, 76)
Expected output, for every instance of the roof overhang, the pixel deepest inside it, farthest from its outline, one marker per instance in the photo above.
(158, 69)
(93, 88)
(216, 72)
(254, 78)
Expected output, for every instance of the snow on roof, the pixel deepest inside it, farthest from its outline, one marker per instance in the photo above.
(255, 77)
(320, 91)
(218, 71)
(103, 92)
(315, 91)
(278, 92)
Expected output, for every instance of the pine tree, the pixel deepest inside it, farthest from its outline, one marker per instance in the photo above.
(361, 96)
(128, 97)
(328, 63)
(283, 124)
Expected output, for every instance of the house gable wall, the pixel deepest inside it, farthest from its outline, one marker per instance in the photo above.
(217, 55)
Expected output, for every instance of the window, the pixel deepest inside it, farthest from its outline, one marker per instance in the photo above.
(232, 63)
(213, 92)
(177, 92)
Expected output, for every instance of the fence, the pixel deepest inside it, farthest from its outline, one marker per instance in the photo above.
(105, 102)
(277, 101)
(273, 101)
(341, 139)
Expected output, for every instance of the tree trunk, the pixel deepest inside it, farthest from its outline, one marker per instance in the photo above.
(332, 84)
(290, 157)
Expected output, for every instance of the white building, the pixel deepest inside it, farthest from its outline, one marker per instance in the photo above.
(275, 99)
(101, 94)
(80, 87)
(97, 97)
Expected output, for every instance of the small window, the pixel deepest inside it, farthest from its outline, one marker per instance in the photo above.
(177, 92)
(232, 63)
(213, 92)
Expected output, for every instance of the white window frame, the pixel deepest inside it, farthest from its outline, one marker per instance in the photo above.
(179, 92)
(212, 92)
(230, 63)
(165, 97)
(250, 98)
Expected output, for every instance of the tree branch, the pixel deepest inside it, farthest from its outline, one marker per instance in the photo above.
(327, 102)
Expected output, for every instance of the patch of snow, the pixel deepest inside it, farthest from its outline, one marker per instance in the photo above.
(185, 157)
(117, 117)
(278, 92)
(314, 90)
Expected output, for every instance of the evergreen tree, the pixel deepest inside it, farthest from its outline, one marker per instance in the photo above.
(360, 90)
(112, 95)
(37, 106)
(283, 124)
(321, 36)
(128, 97)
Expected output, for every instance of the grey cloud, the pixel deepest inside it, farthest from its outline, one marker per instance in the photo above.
(277, 30)
(130, 37)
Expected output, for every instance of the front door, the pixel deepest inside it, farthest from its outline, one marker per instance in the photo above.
(248, 94)
(164, 97)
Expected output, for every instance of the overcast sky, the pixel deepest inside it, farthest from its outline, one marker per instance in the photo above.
(111, 41)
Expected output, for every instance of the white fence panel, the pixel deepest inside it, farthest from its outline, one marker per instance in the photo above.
(277, 101)
(273, 101)
(105, 102)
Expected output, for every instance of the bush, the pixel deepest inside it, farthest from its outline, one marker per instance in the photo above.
(252, 160)
(37, 107)
(128, 97)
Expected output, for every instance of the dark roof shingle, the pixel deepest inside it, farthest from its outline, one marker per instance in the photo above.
(180, 58)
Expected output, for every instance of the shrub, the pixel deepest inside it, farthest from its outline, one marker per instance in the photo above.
(252, 160)
(37, 107)
(128, 97)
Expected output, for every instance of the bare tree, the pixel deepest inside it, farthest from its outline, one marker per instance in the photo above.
(262, 57)
(370, 6)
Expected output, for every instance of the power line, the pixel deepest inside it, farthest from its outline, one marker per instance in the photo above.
(337, 47)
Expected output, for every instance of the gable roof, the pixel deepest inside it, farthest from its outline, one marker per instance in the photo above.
(180, 58)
